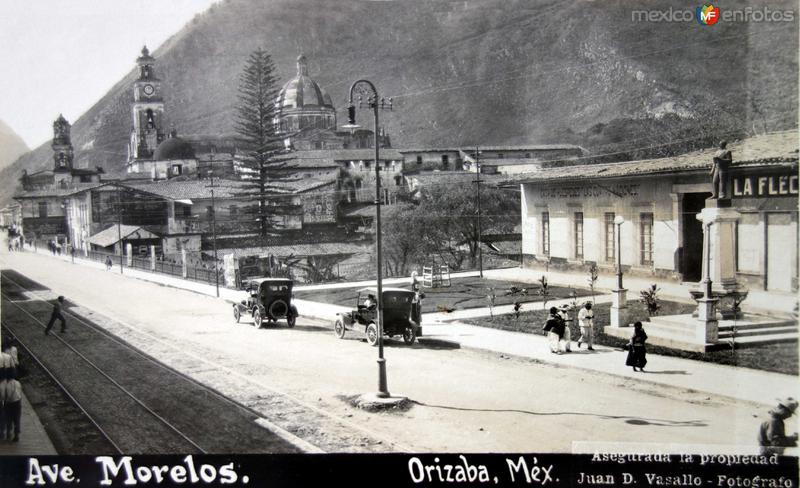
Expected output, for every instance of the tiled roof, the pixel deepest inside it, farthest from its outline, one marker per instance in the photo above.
(310, 163)
(366, 211)
(111, 235)
(774, 148)
(58, 192)
(367, 154)
(201, 189)
(188, 189)
(453, 177)
(471, 149)
(300, 250)
(518, 161)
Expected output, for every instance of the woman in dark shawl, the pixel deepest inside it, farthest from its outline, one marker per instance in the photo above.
(636, 348)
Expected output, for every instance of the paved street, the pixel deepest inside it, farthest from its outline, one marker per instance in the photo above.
(466, 400)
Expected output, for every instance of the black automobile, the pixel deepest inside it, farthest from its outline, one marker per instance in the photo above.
(269, 300)
(400, 317)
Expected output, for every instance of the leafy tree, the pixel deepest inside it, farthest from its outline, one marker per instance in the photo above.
(649, 296)
(449, 214)
(544, 291)
(592, 279)
(402, 237)
(262, 147)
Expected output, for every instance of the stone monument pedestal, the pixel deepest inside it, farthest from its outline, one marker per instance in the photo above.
(620, 314)
(719, 259)
(708, 327)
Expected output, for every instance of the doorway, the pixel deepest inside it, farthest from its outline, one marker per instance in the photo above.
(691, 262)
(781, 251)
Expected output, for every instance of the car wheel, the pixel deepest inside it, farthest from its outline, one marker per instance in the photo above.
(339, 329)
(372, 334)
(257, 320)
(409, 335)
(291, 320)
(237, 314)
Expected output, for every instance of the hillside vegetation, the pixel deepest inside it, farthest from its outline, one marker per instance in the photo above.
(473, 72)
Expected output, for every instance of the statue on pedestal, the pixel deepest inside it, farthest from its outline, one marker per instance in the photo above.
(721, 174)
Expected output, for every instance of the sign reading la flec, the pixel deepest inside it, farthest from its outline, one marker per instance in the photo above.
(765, 186)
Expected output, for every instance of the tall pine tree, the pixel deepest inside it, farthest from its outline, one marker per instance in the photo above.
(262, 146)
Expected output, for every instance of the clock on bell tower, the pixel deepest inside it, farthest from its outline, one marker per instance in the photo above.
(147, 110)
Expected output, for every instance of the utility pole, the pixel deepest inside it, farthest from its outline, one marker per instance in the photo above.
(119, 227)
(478, 182)
(214, 222)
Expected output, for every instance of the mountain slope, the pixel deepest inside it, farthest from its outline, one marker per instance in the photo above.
(468, 72)
(11, 145)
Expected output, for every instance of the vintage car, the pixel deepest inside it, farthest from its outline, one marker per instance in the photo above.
(269, 300)
(401, 315)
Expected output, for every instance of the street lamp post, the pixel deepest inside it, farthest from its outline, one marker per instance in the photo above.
(618, 221)
(478, 182)
(375, 103)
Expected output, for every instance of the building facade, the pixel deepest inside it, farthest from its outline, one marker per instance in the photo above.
(568, 215)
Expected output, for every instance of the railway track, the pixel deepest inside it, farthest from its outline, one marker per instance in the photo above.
(138, 404)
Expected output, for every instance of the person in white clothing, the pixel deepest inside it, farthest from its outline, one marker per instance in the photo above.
(586, 321)
(563, 312)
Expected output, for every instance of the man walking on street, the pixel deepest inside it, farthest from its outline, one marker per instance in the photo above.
(567, 335)
(12, 408)
(554, 328)
(56, 315)
(586, 321)
(772, 434)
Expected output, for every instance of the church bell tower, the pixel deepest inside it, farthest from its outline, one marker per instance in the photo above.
(148, 110)
(62, 145)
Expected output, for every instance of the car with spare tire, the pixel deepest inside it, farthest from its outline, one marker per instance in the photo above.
(400, 315)
(268, 300)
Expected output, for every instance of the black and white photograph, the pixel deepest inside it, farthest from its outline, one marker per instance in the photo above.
(399, 242)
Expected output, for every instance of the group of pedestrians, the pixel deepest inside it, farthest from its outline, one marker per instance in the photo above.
(558, 332)
(559, 337)
(55, 247)
(10, 394)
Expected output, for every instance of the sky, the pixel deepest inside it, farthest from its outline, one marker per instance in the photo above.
(61, 57)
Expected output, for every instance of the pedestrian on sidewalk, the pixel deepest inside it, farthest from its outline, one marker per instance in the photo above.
(636, 348)
(3, 386)
(554, 328)
(56, 315)
(586, 322)
(772, 434)
(11, 358)
(12, 409)
(567, 336)
(8, 363)
(109, 263)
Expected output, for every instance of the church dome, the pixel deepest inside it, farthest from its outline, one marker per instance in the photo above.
(301, 91)
(173, 148)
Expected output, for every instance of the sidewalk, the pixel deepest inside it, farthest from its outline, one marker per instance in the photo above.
(33, 439)
(740, 383)
(757, 300)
